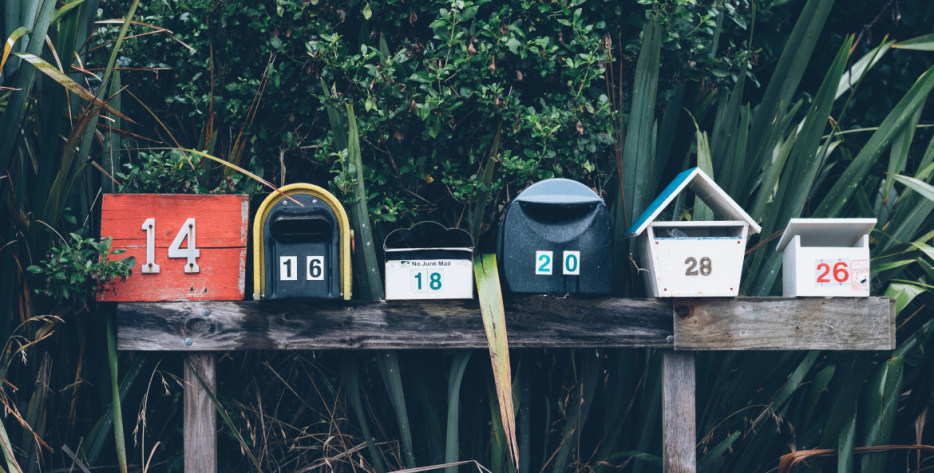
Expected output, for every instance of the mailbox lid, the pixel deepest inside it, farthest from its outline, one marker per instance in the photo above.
(828, 232)
(706, 189)
(428, 239)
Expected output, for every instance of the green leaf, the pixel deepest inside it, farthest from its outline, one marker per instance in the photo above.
(367, 11)
(852, 177)
(513, 44)
(878, 411)
(917, 185)
(903, 294)
(921, 43)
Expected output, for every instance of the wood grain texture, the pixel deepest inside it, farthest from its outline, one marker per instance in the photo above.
(532, 322)
(220, 235)
(679, 454)
(200, 432)
(784, 324)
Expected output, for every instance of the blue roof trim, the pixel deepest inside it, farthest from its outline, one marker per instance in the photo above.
(663, 199)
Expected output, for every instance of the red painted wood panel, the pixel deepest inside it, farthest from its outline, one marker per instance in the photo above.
(220, 235)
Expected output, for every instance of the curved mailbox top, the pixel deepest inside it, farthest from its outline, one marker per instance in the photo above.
(559, 191)
(428, 235)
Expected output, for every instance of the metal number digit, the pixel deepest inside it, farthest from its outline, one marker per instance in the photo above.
(692, 266)
(150, 266)
(705, 266)
(191, 253)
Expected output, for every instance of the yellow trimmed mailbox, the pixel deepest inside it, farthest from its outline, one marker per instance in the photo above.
(826, 257)
(693, 258)
(301, 246)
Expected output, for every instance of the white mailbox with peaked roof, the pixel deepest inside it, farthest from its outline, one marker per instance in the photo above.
(826, 257)
(693, 258)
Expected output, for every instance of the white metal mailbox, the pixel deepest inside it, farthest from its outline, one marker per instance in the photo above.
(826, 257)
(693, 258)
(429, 261)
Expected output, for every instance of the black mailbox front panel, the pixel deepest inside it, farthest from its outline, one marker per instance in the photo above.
(302, 250)
(554, 248)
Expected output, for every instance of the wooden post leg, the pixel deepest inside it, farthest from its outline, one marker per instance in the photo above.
(678, 421)
(199, 426)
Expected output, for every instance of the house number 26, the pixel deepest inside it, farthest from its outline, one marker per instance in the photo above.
(191, 253)
(692, 269)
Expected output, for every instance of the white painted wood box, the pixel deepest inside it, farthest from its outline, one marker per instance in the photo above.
(429, 261)
(693, 258)
(826, 257)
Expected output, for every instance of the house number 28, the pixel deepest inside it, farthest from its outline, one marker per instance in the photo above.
(692, 269)
(191, 253)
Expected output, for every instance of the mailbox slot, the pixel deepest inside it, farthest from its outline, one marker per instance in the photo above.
(316, 225)
(301, 241)
(556, 239)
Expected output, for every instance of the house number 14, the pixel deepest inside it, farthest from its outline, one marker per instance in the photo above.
(191, 253)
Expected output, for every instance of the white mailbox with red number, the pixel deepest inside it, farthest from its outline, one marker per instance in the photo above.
(693, 258)
(826, 257)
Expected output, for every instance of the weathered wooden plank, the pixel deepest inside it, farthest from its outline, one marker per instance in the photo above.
(679, 454)
(784, 324)
(532, 321)
(220, 236)
(200, 433)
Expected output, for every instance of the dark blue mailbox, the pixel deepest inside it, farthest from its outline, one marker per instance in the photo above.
(556, 238)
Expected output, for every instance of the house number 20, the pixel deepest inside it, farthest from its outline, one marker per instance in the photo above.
(191, 253)
(692, 269)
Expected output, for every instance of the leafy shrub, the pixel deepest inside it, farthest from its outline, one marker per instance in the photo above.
(432, 82)
(174, 172)
(78, 271)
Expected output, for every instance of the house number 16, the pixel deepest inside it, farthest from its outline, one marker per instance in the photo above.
(191, 253)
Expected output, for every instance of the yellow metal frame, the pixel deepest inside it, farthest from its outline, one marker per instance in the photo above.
(259, 262)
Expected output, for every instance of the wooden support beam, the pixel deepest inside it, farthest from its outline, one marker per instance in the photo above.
(679, 454)
(780, 323)
(532, 322)
(200, 432)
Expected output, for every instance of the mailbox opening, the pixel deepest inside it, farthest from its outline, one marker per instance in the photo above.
(305, 226)
(697, 230)
(557, 212)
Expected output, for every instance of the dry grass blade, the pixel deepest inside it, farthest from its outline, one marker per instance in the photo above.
(420, 469)
(9, 45)
(489, 292)
(68, 83)
(789, 460)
